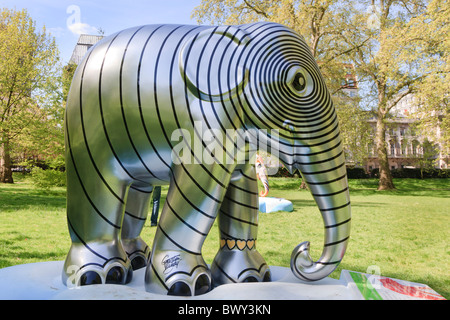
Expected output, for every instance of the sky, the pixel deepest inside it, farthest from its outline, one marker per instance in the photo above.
(67, 19)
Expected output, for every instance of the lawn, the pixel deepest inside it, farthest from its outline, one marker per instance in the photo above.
(404, 233)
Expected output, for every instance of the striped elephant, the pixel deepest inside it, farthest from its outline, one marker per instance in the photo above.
(167, 104)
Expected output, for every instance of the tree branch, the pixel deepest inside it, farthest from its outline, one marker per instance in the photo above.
(397, 99)
(256, 10)
(355, 47)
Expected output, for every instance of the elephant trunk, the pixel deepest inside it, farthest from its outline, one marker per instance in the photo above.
(327, 181)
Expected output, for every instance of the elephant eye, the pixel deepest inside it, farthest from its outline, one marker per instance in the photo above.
(299, 82)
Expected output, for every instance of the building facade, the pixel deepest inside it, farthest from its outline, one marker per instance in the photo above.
(85, 42)
(406, 148)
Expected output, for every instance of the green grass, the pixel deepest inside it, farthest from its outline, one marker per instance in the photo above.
(405, 233)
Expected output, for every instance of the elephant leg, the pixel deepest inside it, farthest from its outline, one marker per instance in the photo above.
(95, 208)
(136, 212)
(176, 265)
(237, 259)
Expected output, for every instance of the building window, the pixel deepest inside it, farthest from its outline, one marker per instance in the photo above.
(415, 147)
(403, 148)
(392, 145)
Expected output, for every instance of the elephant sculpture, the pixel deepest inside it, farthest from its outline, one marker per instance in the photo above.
(137, 95)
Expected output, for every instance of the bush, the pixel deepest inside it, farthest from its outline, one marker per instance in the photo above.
(415, 173)
(282, 173)
(46, 179)
(356, 173)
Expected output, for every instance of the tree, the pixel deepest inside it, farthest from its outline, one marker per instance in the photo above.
(321, 23)
(433, 93)
(67, 76)
(355, 129)
(391, 62)
(28, 85)
(398, 47)
(427, 160)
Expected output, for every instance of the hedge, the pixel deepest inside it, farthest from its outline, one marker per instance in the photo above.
(360, 173)
(415, 173)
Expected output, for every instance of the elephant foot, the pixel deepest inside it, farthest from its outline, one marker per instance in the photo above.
(137, 251)
(239, 261)
(177, 273)
(86, 265)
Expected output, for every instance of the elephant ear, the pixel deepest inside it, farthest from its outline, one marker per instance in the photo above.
(210, 63)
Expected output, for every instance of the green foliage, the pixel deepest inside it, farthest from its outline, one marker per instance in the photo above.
(420, 173)
(48, 179)
(354, 128)
(67, 76)
(431, 31)
(30, 100)
(356, 173)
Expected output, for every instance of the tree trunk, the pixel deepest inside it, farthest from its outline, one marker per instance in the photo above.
(5, 162)
(385, 182)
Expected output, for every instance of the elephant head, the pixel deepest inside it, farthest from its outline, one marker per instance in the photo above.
(266, 73)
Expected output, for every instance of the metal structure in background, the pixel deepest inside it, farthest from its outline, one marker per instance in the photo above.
(158, 104)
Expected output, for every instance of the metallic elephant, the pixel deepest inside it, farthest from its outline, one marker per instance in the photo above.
(141, 92)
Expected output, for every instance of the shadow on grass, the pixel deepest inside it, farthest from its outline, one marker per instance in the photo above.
(287, 184)
(439, 188)
(18, 198)
(15, 249)
(366, 204)
(12, 241)
(303, 203)
(31, 257)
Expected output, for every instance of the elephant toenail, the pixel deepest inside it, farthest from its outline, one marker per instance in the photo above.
(179, 289)
(267, 277)
(129, 276)
(90, 277)
(138, 263)
(250, 279)
(115, 276)
(202, 285)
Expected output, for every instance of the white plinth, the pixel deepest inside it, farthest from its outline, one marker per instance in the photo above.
(271, 204)
(42, 281)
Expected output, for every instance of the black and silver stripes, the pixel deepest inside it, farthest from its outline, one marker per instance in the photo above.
(187, 106)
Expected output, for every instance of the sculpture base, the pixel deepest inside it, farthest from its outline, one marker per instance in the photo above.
(42, 281)
(271, 204)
